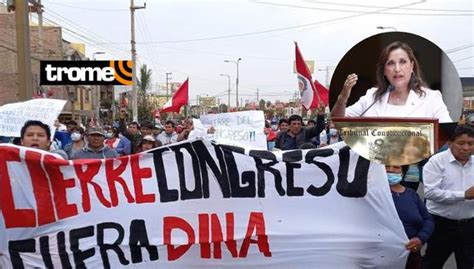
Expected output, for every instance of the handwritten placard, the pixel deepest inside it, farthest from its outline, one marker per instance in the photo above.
(13, 116)
(243, 128)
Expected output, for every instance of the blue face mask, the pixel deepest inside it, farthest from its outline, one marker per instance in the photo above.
(394, 178)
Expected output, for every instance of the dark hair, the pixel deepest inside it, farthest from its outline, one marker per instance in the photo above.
(35, 123)
(16, 141)
(311, 121)
(77, 128)
(115, 132)
(134, 123)
(71, 122)
(282, 121)
(308, 145)
(416, 80)
(169, 122)
(461, 130)
(146, 124)
(294, 118)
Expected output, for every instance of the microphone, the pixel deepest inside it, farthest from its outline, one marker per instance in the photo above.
(390, 88)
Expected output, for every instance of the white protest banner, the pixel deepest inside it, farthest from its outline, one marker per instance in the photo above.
(13, 116)
(244, 128)
(198, 205)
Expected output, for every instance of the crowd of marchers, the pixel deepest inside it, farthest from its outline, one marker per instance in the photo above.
(445, 221)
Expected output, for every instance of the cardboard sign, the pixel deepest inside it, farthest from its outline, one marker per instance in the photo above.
(13, 116)
(243, 128)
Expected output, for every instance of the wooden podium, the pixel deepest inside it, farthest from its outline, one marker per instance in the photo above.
(391, 141)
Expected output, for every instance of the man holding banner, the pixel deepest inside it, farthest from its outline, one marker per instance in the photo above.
(198, 205)
(296, 134)
(35, 134)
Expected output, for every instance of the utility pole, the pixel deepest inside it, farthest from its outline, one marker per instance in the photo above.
(40, 29)
(327, 74)
(25, 88)
(258, 99)
(228, 88)
(236, 81)
(134, 60)
(168, 79)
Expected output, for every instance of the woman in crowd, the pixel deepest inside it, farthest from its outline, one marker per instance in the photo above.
(115, 141)
(416, 220)
(77, 138)
(147, 143)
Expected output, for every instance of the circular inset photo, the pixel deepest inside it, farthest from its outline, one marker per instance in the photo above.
(397, 75)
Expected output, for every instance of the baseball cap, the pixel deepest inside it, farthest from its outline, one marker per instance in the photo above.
(95, 130)
(148, 138)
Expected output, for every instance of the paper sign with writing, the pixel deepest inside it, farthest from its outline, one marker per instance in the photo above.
(13, 116)
(243, 128)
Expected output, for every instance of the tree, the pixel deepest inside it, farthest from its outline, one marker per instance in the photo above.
(269, 104)
(143, 83)
(223, 108)
(261, 104)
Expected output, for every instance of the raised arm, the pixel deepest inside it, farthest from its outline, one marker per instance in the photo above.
(339, 109)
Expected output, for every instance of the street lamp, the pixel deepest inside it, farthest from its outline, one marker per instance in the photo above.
(236, 81)
(228, 91)
(387, 27)
(97, 88)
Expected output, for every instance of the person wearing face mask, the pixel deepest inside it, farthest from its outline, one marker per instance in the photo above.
(416, 220)
(118, 142)
(95, 148)
(331, 136)
(77, 138)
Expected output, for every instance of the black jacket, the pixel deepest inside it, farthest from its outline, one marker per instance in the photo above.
(285, 141)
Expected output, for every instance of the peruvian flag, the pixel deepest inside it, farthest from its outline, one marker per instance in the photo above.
(310, 93)
(180, 98)
(323, 93)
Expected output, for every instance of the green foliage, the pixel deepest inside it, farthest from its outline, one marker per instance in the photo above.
(143, 84)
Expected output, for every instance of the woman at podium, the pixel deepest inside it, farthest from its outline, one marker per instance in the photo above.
(400, 92)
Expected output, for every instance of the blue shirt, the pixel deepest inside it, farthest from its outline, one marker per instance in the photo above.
(63, 137)
(413, 214)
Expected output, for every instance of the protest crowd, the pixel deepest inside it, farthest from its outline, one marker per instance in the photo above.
(437, 225)
(444, 220)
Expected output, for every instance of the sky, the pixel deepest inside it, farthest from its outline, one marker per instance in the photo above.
(194, 38)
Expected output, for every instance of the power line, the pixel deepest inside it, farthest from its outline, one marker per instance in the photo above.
(280, 29)
(83, 30)
(12, 37)
(354, 11)
(469, 57)
(460, 48)
(143, 27)
(367, 6)
(91, 9)
(15, 51)
(221, 54)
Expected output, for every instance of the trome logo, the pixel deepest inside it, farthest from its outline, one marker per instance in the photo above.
(86, 73)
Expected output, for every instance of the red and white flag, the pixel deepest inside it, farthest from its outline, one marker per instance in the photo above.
(310, 93)
(305, 82)
(180, 98)
(323, 93)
